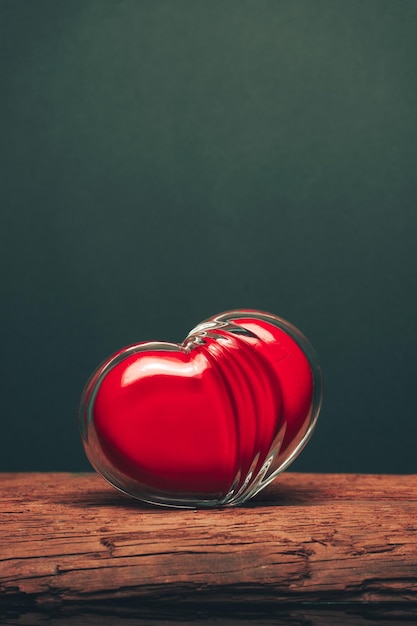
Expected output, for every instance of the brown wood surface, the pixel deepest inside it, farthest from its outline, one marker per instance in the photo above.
(71, 538)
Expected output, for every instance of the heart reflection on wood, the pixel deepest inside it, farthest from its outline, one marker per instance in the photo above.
(208, 422)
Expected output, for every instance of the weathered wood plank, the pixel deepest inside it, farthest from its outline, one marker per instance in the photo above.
(308, 538)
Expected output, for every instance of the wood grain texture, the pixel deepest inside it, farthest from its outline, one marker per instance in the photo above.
(71, 538)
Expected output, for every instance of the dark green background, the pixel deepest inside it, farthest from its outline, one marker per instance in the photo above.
(165, 160)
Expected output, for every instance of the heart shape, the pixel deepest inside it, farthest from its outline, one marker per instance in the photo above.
(208, 422)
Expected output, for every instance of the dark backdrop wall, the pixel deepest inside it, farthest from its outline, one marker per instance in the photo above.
(166, 160)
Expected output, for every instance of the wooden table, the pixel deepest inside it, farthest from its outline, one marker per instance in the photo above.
(321, 548)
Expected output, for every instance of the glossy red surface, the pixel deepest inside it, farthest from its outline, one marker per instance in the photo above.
(292, 370)
(191, 419)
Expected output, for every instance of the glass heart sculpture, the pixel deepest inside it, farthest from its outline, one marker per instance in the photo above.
(208, 422)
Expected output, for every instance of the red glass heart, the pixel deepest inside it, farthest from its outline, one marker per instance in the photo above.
(208, 422)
